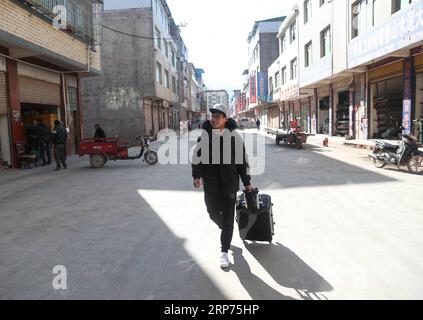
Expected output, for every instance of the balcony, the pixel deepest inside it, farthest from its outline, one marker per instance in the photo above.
(81, 18)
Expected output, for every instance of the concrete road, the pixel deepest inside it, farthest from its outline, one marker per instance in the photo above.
(344, 230)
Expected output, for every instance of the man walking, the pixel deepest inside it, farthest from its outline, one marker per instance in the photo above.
(59, 140)
(219, 171)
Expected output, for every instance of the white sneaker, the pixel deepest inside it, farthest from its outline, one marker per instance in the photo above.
(224, 260)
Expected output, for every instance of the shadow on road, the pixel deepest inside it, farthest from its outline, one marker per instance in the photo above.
(256, 287)
(289, 270)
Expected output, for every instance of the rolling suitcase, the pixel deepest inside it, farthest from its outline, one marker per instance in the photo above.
(254, 216)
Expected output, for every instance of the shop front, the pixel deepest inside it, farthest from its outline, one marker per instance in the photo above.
(5, 156)
(386, 103)
(418, 101)
(40, 98)
(341, 107)
(305, 120)
(323, 114)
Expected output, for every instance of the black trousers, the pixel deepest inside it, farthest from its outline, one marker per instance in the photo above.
(221, 209)
(60, 155)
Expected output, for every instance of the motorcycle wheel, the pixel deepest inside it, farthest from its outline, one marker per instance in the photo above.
(151, 157)
(97, 161)
(379, 163)
(415, 165)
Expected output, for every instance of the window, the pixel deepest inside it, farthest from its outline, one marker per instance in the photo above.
(173, 84)
(355, 19)
(325, 43)
(321, 2)
(397, 5)
(277, 79)
(167, 84)
(159, 78)
(308, 54)
(73, 98)
(293, 69)
(270, 84)
(166, 46)
(292, 32)
(283, 43)
(158, 38)
(307, 11)
(284, 76)
(173, 59)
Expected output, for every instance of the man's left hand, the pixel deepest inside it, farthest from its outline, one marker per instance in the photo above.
(249, 188)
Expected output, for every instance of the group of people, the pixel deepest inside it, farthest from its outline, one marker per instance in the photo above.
(40, 140)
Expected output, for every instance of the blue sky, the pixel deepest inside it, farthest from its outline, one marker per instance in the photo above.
(216, 33)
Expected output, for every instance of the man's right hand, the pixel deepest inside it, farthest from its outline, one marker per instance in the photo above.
(197, 183)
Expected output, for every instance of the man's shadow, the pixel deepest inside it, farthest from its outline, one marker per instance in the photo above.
(288, 270)
(256, 288)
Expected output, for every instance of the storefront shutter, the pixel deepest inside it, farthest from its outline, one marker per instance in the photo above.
(39, 92)
(3, 96)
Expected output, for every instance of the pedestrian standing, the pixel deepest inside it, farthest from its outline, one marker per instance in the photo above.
(59, 140)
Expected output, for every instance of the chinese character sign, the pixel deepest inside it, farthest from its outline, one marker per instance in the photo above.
(253, 91)
(262, 86)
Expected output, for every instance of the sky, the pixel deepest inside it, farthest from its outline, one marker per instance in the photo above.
(216, 33)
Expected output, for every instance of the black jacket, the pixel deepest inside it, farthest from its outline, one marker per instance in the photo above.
(43, 133)
(99, 134)
(60, 135)
(221, 176)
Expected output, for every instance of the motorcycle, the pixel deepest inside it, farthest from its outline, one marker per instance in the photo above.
(407, 153)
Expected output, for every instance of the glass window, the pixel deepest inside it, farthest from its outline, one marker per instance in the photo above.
(308, 54)
(283, 43)
(284, 76)
(294, 69)
(277, 79)
(159, 78)
(173, 59)
(167, 84)
(325, 42)
(166, 46)
(174, 84)
(292, 32)
(307, 11)
(158, 38)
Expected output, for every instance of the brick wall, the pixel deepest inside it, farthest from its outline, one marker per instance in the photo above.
(20, 23)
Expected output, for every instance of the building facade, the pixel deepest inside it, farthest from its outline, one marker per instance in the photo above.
(359, 67)
(216, 96)
(263, 49)
(138, 92)
(45, 52)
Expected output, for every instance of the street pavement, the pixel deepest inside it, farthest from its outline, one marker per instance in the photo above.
(344, 230)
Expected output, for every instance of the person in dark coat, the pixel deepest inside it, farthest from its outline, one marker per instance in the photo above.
(99, 133)
(43, 141)
(220, 177)
(59, 140)
(258, 124)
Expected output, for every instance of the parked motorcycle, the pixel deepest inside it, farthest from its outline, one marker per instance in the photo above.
(404, 154)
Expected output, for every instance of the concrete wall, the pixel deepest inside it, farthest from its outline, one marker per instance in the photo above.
(269, 50)
(340, 36)
(115, 99)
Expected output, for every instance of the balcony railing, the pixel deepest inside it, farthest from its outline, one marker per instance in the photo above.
(80, 17)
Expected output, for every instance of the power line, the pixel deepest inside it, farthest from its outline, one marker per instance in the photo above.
(136, 36)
